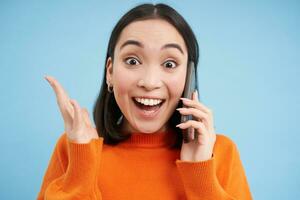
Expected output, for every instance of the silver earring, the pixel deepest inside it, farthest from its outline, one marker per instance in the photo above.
(120, 120)
(110, 88)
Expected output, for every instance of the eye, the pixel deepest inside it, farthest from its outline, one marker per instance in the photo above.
(170, 64)
(131, 61)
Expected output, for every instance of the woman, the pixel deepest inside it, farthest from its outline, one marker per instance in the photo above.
(137, 150)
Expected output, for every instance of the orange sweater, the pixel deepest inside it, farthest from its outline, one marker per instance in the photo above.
(142, 168)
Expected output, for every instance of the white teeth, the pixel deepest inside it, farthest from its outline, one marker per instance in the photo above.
(151, 102)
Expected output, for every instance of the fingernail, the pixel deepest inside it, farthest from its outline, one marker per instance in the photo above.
(185, 99)
(195, 95)
(73, 101)
(177, 125)
(47, 79)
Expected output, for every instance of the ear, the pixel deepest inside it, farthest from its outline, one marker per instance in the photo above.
(109, 71)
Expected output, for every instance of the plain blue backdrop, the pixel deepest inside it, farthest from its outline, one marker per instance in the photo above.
(248, 75)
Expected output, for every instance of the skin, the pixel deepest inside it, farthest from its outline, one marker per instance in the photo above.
(77, 123)
(154, 72)
(157, 72)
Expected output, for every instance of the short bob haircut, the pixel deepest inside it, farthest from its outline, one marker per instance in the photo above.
(106, 111)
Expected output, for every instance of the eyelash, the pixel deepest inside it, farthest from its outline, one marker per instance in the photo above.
(128, 58)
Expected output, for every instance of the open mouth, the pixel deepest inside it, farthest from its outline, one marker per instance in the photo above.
(148, 107)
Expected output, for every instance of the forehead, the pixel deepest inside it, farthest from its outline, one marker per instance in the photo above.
(153, 33)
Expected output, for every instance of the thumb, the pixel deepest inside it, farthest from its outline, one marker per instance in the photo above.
(195, 95)
(77, 114)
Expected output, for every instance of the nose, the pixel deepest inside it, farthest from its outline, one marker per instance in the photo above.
(151, 79)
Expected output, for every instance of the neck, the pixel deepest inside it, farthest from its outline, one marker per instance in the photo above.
(128, 129)
(150, 140)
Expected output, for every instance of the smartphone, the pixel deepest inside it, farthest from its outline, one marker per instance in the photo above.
(189, 88)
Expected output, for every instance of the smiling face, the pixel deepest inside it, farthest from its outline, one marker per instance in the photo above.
(149, 67)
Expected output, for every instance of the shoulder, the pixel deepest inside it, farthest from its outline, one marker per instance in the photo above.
(224, 146)
(224, 141)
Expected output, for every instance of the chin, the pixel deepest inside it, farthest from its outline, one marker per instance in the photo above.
(148, 129)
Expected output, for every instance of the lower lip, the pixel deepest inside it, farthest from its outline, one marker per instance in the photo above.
(148, 114)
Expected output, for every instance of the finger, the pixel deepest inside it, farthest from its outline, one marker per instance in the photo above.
(195, 104)
(86, 117)
(62, 99)
(191, 132)
(58, 89)
(195, 95)
(77, 122)
(200, 131)
(188, 134)
(195, 124)
(197, 114)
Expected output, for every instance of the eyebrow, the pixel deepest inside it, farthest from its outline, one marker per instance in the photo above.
(139, 44)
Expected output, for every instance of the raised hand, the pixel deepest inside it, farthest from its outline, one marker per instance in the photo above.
(77, 123)
(199, 148)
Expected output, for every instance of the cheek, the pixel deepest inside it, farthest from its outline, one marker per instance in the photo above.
(176, 85)
(120, 86)
(123, 84)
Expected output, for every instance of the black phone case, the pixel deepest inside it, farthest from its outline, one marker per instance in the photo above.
(190, 87)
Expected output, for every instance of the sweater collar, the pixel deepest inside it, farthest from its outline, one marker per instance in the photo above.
(150, 140)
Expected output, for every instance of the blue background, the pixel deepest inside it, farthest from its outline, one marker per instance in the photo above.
(248, 75)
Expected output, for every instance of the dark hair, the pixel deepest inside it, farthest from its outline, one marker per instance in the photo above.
(106, 111)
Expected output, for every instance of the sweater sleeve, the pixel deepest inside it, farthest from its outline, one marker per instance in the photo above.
(72, 171)
(222, 177)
